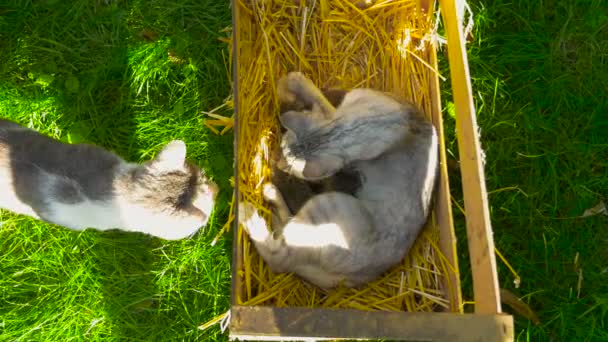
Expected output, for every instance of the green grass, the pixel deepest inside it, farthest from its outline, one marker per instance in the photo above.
(83, 71)
(96, 72)
(540, 81)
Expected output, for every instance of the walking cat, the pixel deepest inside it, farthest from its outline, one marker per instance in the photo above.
(336, 237)
(83, 186)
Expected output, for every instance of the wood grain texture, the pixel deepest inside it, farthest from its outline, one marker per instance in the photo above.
(479, 229)
(443, 206)
(237, 255)
(291, 324)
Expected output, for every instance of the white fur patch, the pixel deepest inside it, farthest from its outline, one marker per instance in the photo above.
(306, 235)
(252, 222)
(9, 199)
(205, 201)
(87, 214)
(120, 215)
(160, 224)
(296, 166)
(431, 168)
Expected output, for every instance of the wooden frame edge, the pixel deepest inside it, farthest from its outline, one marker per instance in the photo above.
(273, 324)
(236, 287)
(256, 323)
(479, 229)
(443, 207)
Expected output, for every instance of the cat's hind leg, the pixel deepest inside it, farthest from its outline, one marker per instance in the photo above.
(330, 239)
(270, 248)
(252, 222)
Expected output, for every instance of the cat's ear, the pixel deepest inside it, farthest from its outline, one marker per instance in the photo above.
(172, 156)
(297, 122)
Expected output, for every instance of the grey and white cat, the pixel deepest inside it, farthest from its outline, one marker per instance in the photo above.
(83, 186)
(336, 237)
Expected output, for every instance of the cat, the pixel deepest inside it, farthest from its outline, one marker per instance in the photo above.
(335, 237)
(81, 186)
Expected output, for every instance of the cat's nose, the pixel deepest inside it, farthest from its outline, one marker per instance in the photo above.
(211, 188)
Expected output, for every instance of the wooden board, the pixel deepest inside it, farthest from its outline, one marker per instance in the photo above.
(273, 324)
(479, 229)
(443, 206)
(236, 287)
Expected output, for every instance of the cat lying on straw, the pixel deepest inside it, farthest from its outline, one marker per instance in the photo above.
(338, 237)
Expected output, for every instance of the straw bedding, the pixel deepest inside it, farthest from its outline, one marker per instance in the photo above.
(341, 44)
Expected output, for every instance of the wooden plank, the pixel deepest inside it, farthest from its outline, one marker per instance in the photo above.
(273, 324)
(479, 230)
(237, 257)
(443, 206)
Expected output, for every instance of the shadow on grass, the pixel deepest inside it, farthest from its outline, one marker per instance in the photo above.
(124, 263)
(535, 74)
(127, 76)
(65, 72)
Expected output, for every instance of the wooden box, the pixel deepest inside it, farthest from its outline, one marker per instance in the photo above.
(487, 323)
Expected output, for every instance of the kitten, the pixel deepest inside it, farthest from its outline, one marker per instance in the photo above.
(83, 186)
(336, 237)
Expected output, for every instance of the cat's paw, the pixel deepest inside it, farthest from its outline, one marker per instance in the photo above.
(320, 167)
(271, 193)
(295, 87)
(295, 79)
(299, 84)
(252, 222)
(284, 92)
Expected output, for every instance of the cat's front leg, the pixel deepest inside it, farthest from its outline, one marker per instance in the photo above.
(295, 86)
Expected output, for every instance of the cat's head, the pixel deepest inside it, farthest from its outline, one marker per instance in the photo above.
(296, 151)
(176, 193)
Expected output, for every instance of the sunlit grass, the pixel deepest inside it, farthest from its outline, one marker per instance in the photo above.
(129, 76)
(539, 82)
